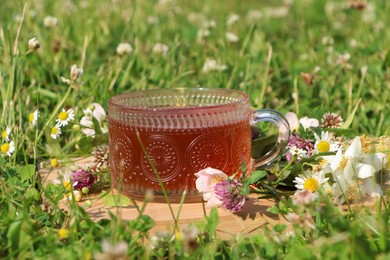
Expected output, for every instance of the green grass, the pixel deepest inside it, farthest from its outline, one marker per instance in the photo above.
(266, 63)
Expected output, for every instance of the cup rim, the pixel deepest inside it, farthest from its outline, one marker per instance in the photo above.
(113, 101)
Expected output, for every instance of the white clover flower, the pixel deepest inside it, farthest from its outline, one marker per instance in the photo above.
(310, 181)
(5, 135)
(124, 48)
(254, 16)
(87, 124)
(325, 143)
(50, 21)
(33, 117)
(297, 152)
(304, 197)
(160, 48)
(232, 19)
(8, 148)
(212, 65)
(64, 117)
(152, 20)
(33, 44)
(75, 72)
(278, 12)
(55, 132)
(231, 37)
(113, 251)
(203, 33)
(327, 41)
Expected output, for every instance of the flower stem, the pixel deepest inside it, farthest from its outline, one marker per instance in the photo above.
(159, 181)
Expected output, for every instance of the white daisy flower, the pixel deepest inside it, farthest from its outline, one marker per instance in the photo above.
(310, 181)
(6, 134)
(33, 117)
(55, 132)
(325, 143)
(8, 148)
(231, 37)
(124, 48)
(65, 117)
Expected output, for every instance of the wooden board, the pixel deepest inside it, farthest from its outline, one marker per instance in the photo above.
(253, 215)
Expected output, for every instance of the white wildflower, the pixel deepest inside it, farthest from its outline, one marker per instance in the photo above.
(50, 21)
(124, 48)
(231, 37)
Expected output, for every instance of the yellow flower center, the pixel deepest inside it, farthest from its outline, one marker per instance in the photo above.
(4, 134)
(323, 146)
(5, 148)
(366, 144)
(63, 115)
(67, 185)
(343, 162)
(54, 162)
(216, 179)
(54, 130)
(311, 184)
(63, 233)
(31, 117)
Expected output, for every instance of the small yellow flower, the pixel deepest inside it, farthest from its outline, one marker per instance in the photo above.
(63, 233)
(54, 162)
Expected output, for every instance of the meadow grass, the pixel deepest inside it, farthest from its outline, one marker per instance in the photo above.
(303, 56)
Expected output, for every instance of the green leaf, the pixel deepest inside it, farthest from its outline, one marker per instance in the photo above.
(256, 176)
(32, 194)
(13, 235)
(144, 223)
(26, 171)
(112, 200)
(351, 116)
(280, 227)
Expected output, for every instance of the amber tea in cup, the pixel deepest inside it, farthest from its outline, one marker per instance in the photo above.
(178, 132)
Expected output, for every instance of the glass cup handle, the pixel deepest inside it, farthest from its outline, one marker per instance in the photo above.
(273, 116)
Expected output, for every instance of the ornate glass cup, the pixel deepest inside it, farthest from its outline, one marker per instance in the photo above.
(178, 132)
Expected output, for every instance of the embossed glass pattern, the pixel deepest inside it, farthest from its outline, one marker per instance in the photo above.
(182, 131)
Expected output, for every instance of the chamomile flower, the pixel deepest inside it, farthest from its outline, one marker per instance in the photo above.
(33, 117)
(64, 117)
(6, 134)
(55, 132)
(310, 181)
(8, 148)
(324, 143)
